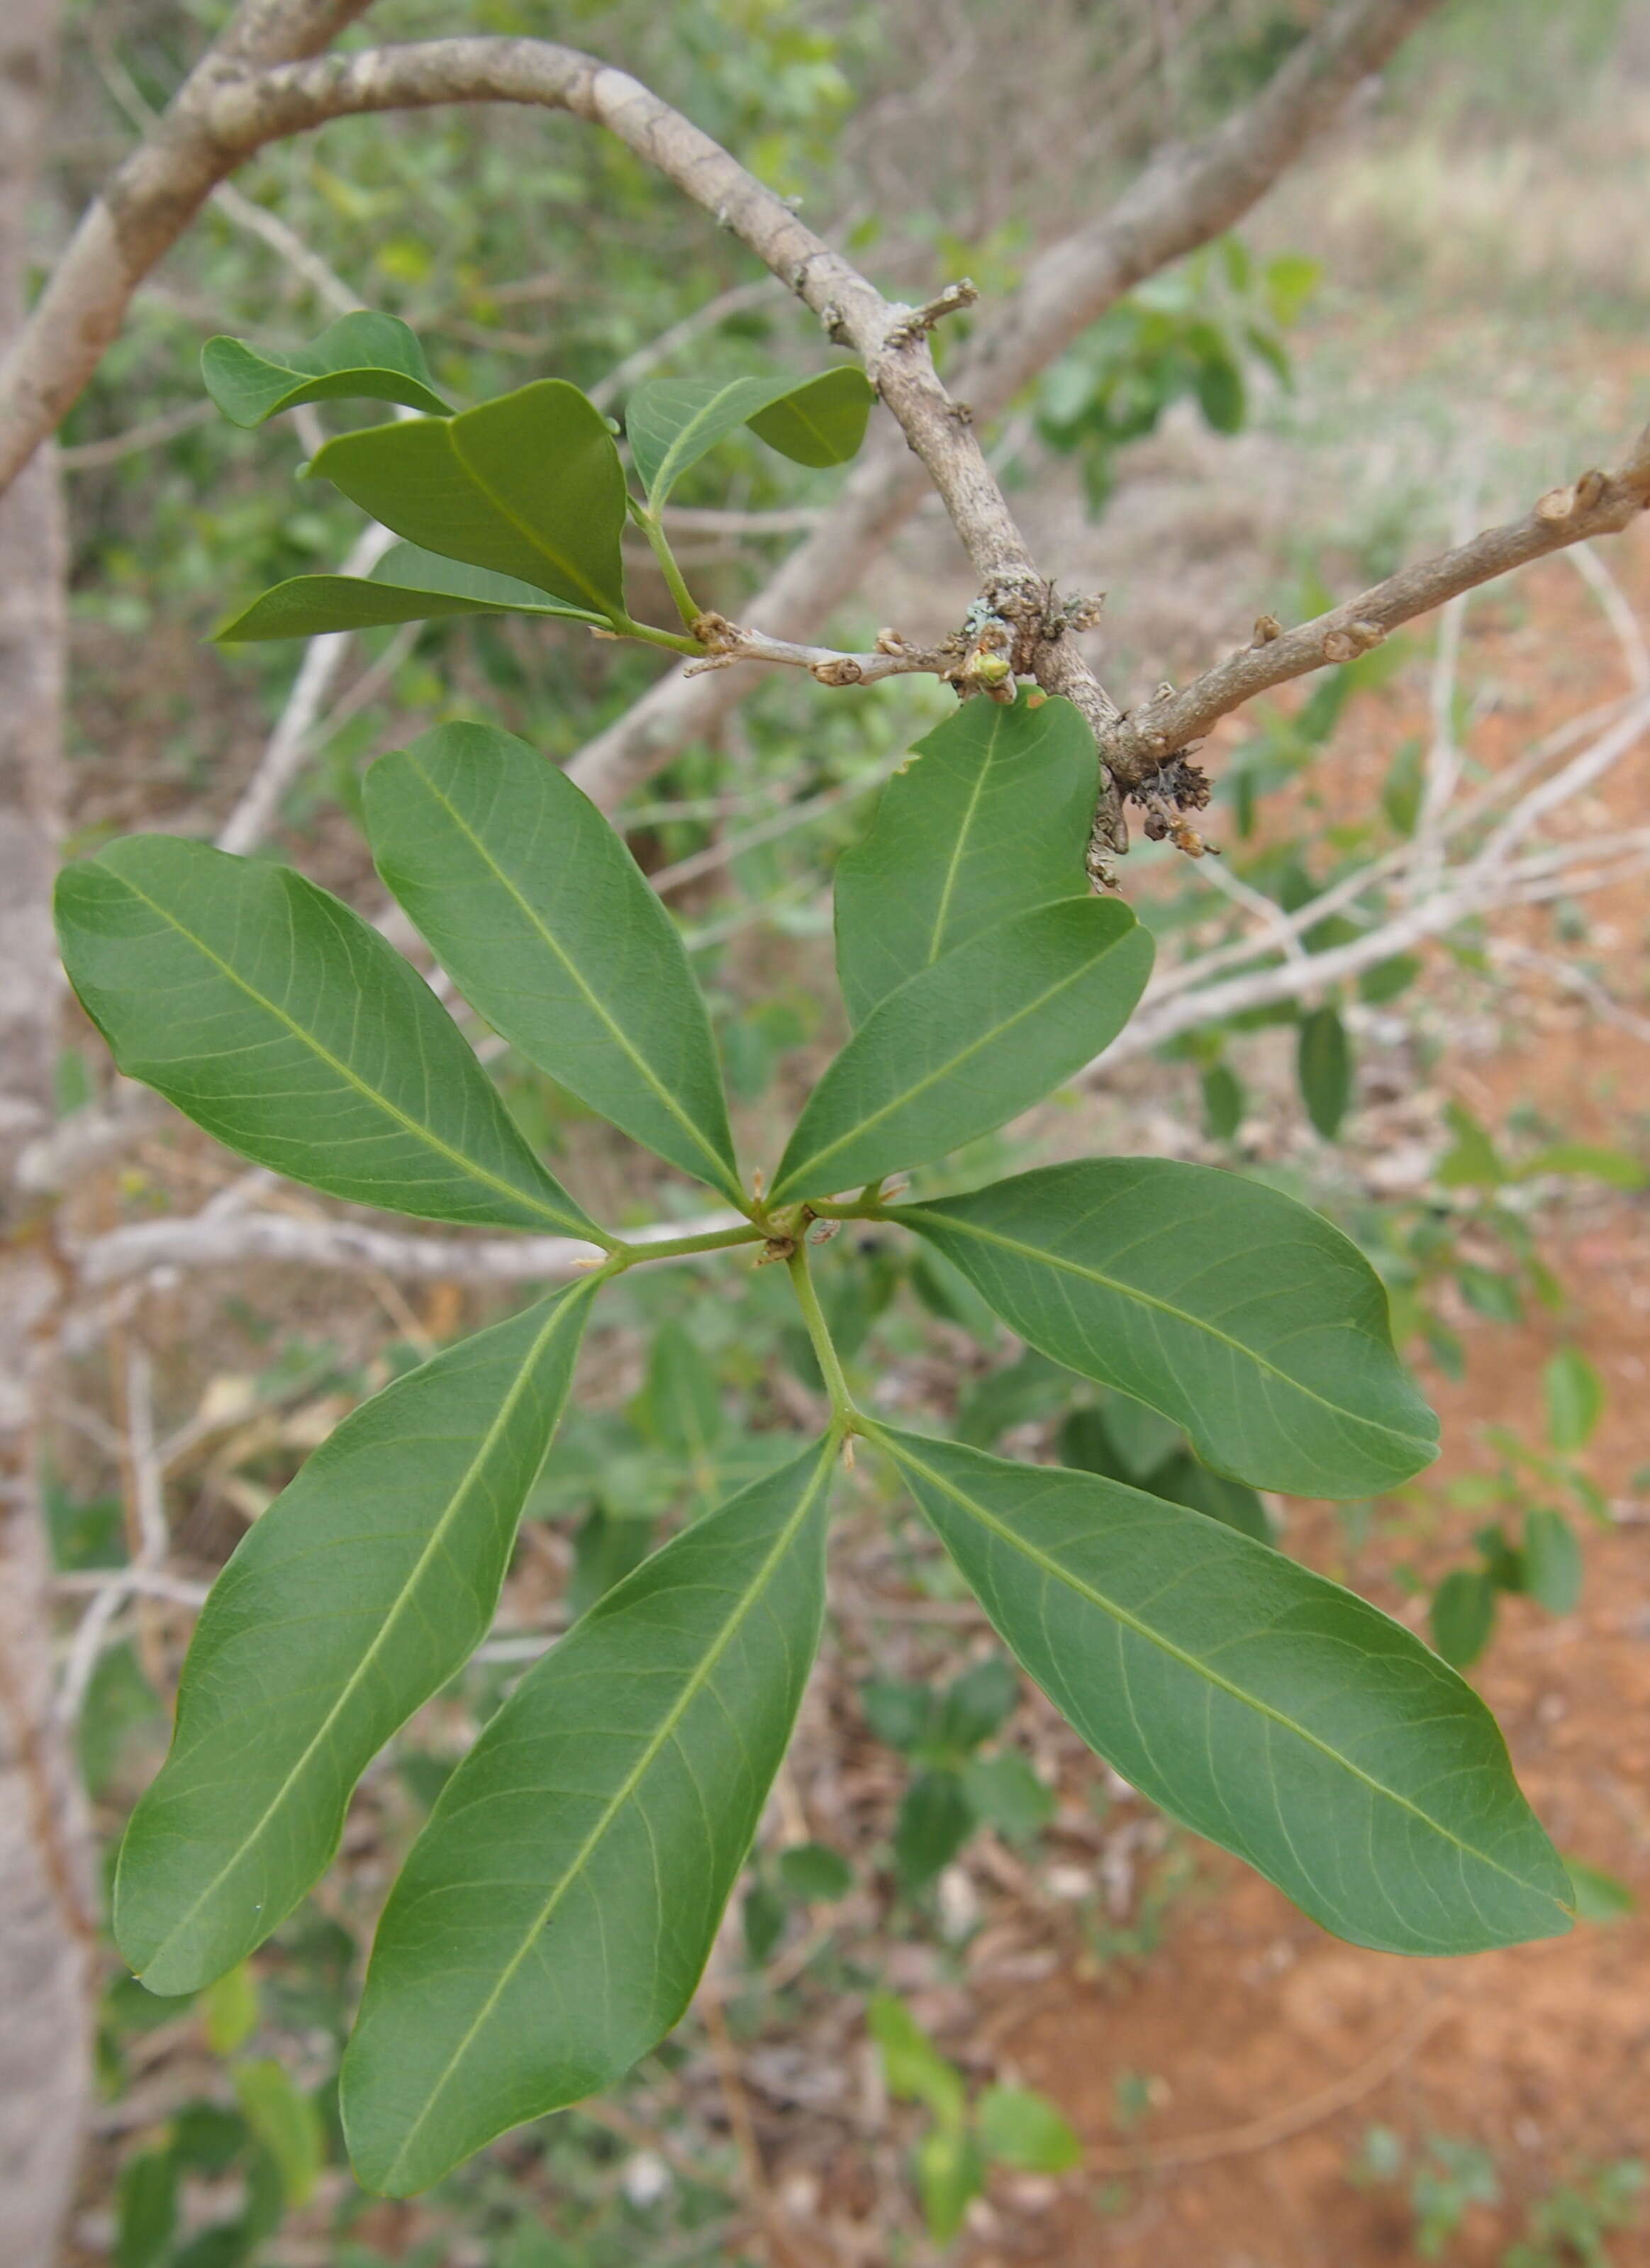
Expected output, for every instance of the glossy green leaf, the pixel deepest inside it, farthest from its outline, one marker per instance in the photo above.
(1461, 1616)
(407, 586)
(964, 1045)
(1269, 1710)
(820, 423)
(553, 1919)
(671, 423)
(1574, 1395)
(989, 817)
(361, 358)
(1231, 1309)
(292, 1031)
(529, 485)
(543, 919)
(1323, 1065)
(1551, 1561)
(1020, 2127)
(368, 1583)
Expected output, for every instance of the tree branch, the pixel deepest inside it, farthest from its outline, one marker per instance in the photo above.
(1598, 504)
(228, 1242)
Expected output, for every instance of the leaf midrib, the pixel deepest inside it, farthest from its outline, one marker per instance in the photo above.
(609, 603)
(896, 1449)
(674, 463)
(566, 1305)
(725, 1178)
(789, 1179)
(432, 1140)
(964, 831)
(1048, 1258)
(695, 1685)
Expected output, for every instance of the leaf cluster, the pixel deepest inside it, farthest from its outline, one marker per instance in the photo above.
(552, 1920)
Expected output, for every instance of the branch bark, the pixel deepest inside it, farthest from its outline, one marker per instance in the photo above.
(1598, 504)
(45, 1953)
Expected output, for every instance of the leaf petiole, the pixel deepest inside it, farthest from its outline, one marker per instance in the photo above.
(676, 1248)
(687, 605)
(846, 1417)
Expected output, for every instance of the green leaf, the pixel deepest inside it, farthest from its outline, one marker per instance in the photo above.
(1018, 2127)
(1552, 1561)
(989, 817)
(964, 1045)
(1226, 1306)
(1223, 1101)
(146, 2209)
(543, 919)
(361, 358)
(681, 1402)
(977, 1704)
(1008, 1795)
(606, 1549)
(898, 1712)
(1600, 1898)
(287, 2122)
(357, 1595)
(913, 2069)
(529, 485)
(1269, 1710)
(1140, 1436)
(935, 1819)
(949, 2175)
(1472, 1161)
(1575, 1395)
(281, 1022)
(763, 1914)
(1184, 1481)
(671, 423)
(816, 1873)
(553, 1918)
(229, 2006)
(1389, 978)
(821, 423)
(1221, 395)
(1463, 1616)
(406, 586)
(1618, 1168)
(1323, 1065)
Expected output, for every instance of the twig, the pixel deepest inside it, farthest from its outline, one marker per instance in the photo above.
(1597, 503)
(88, 456)
(205, 1241)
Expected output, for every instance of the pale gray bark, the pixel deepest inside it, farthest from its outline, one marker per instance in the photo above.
(45, 1938)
